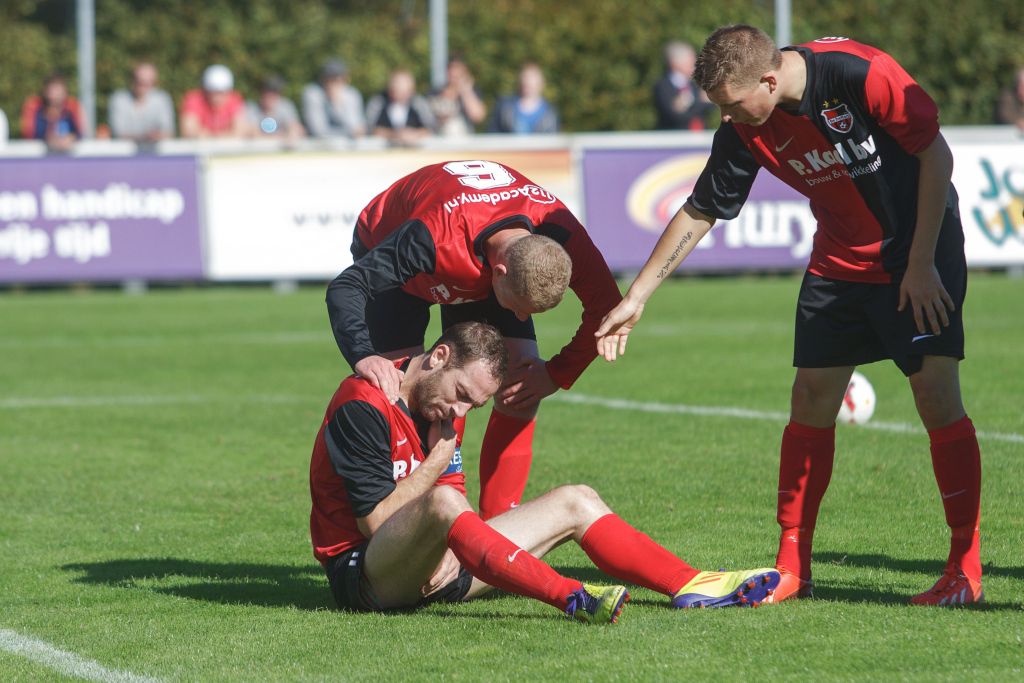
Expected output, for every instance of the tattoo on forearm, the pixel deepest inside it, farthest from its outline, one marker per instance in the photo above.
(667, 268)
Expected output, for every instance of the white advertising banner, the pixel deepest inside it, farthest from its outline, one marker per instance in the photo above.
(291, 216)
(990, 181)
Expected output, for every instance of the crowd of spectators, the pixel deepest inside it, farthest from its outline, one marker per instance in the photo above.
(331, 107)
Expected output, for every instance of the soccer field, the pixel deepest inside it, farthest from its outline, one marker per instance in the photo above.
(154, 501)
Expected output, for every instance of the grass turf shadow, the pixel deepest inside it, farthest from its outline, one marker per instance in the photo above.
(877, 561)
(930, 569)
(228, 583)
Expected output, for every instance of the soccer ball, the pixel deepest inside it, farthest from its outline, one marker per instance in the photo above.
(859, 402)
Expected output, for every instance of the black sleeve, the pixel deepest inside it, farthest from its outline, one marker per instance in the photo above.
(404, 254)
(358, 441)
(724, 184)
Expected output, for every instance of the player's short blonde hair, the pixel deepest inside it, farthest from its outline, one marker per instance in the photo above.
(538, 271)
(735, 55)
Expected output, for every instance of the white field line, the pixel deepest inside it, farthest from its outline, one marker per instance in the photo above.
(563, 397)
(745, 414)
(62, 661)
(142, 400)
(131, 341)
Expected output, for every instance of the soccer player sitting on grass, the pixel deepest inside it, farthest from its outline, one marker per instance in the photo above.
(486, 244)
(393, 529)
(845, 125)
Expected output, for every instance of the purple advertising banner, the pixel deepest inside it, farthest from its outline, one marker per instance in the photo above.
(101, 219)
(631, 194)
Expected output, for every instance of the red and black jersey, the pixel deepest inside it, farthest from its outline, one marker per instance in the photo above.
(365, 446)
(850, 148)
(426, 234)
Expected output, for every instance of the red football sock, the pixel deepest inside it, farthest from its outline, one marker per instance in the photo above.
(956, 460)
(621, 551)
(497, 561)
(459, 425)
(505, 457)
(805, 470)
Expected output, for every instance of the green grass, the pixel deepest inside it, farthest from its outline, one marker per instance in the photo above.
(154, 500)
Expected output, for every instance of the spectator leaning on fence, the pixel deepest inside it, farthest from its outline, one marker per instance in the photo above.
(458, 106)
(332, 107)
(400, 114)
(53, 115)
(1010, 109)
(273, 114)
(144, 113)
(528, 111)
(216, 110)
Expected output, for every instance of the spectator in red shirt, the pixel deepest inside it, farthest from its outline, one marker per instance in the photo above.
(215, 111)
(52, 115)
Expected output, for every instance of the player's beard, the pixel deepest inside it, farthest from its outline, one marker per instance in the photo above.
(425, 397)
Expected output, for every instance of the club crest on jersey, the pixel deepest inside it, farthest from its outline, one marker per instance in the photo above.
(440, 293)
(838, 118)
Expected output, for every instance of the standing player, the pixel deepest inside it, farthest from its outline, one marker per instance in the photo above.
(391, 524)
(486, 244)
(845, 125)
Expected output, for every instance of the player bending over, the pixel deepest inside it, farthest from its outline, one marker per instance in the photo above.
(393, 529)
(845, 125)
(486, 244)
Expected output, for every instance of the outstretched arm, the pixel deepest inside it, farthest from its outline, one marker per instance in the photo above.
(681, 235)
(593, 283)
(405, 253)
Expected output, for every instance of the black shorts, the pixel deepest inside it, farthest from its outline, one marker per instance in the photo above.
(398, 320)
(842, 323)
(352, 591)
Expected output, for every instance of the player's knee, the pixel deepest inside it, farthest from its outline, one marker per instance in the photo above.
(814, 402)
(805, 396)
(938, 402)
(582, 502)
(444, 504)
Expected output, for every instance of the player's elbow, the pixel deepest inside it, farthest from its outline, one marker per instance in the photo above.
(372, 521)
(698, 215)
(368, 525)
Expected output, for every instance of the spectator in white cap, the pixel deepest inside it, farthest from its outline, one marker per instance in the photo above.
(217, 110)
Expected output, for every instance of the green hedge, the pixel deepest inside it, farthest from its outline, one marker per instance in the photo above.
(601, 56)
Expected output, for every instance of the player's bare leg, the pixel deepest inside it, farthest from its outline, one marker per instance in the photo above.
(507, 449)
(407, 548)
(936, 388)
(805, 469)
(956, 461)
(817, 394)
(577, 512)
